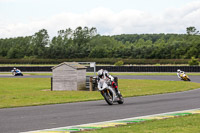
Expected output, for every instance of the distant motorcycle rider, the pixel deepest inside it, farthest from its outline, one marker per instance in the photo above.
(16, 72)
(179, 73)
(103, 74)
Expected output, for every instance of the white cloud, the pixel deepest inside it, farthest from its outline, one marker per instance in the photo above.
(174, 20)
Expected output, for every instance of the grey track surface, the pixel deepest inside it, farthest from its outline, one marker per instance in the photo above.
(13, 120)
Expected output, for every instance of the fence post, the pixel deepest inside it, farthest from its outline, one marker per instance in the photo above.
(51, 83)
(91, 84)
(94, 80)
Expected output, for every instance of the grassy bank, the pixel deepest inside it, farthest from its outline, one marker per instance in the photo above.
(185, 124)
(16, 92)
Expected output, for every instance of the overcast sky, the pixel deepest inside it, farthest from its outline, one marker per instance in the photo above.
(110, 17)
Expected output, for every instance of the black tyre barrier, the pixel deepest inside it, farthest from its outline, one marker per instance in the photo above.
(147, 68)
(111, 68)
(28, 68)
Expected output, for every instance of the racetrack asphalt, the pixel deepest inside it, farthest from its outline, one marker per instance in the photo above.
(13, 120)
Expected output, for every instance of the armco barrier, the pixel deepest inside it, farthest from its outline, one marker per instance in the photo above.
(111, 68)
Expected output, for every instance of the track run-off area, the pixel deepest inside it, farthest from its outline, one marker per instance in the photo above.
(91, 114)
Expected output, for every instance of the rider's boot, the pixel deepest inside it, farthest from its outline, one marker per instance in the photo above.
(117, 91)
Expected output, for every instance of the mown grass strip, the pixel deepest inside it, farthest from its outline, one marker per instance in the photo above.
(15, 92)
(181, 124)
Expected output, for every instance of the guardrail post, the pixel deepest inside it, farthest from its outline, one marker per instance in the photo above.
(94, 83)
(51, 83)
(91, 83)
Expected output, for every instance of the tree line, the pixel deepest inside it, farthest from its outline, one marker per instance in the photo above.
(84, 42)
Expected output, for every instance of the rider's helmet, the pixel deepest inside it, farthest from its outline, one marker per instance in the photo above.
(178, 71)
(14, 68)
(106, 73)
(100, 73)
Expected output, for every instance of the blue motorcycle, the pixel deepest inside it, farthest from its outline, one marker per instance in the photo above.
(16, 72)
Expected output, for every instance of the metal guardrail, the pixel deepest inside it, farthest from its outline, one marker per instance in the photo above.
(91, 83)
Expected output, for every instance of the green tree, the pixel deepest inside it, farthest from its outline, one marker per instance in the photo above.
(192, 30)
(60, 44)
(39, 42)
(81, 39)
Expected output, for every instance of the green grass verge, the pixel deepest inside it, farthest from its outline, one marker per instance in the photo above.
(184, 124)
(130, 87)
(15, 92)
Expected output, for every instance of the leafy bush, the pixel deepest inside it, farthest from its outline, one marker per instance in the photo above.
(193, 62)
(119, 63)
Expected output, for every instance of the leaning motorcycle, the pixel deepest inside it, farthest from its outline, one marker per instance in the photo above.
(109, 93)
(16, 74)
(185, 77)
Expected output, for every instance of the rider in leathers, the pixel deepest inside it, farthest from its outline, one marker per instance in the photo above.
(16, 71)
(179, 72)
(103, 74)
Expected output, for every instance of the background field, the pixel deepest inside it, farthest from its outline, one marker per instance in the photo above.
(16, 92)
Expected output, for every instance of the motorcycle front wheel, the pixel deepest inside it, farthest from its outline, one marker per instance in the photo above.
(108, 96)
(13, 73)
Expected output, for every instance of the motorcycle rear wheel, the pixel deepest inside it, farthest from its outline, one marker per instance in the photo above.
(121, 99)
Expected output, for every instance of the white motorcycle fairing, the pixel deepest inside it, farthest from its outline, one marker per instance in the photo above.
(103, 84)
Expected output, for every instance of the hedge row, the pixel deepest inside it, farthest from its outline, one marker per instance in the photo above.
(97, 60)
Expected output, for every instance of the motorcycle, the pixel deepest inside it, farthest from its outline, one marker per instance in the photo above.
(14, 73)
(184, 77)
(109, 93)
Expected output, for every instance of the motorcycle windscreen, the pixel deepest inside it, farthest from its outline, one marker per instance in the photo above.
(102, 84)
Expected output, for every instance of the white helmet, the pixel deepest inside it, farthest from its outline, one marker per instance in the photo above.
(178, 70)
(106, 73)
(100, 73)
